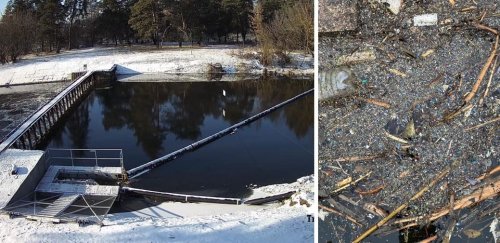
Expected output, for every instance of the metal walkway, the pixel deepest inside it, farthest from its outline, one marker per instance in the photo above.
(34, 123)
(59, 205)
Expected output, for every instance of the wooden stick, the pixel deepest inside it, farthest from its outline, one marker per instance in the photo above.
(457, 112)
(371, 191)
(331, 210)
(396, 138)
(352, 183)
(482, 73)
(375, 102)
(492, 73)
(491, 172)
(369, 207)
(404, 205)
(483, 124)
(484, 27)
(477, 196)
(453, 221)
(358, 158)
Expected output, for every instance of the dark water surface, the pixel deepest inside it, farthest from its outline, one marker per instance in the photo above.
(148, 120)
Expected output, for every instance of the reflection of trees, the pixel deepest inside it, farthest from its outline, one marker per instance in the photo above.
(299, 116)
(77, 125)
(153, 110)
(136, 107)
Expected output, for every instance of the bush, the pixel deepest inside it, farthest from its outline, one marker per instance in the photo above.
(290, 29)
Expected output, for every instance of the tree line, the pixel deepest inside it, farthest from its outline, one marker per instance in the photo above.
(34, 26)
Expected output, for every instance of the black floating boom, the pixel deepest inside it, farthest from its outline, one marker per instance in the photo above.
(260, 201)
(137, 171)
(182, 197)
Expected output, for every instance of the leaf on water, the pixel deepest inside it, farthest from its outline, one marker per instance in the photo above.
(409, 131)
(472, 233)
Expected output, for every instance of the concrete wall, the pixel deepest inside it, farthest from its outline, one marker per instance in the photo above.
(34, 176)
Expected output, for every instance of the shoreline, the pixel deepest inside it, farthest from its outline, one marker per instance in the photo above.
(134, 61)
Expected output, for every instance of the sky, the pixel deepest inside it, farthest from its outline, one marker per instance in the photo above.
(3, 3)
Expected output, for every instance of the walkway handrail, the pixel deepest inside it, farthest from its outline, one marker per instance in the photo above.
(137, 171)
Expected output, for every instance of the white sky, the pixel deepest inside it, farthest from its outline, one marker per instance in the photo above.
(3, 3)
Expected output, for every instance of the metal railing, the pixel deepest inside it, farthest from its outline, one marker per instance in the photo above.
(85, 157)
(30, 121)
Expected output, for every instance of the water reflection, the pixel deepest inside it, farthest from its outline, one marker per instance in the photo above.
(148, 120)
(154, 110)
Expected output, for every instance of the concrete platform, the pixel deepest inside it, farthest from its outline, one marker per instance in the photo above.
(49, 182)
(25, 161)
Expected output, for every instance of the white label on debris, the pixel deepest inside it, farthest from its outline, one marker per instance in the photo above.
(425, 20)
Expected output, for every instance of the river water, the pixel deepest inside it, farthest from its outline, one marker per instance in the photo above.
(151, 119)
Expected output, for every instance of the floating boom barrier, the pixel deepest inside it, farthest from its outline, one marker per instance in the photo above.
(176, 197)
(140, 170)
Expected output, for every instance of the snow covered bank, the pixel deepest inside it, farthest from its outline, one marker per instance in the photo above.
(25, 161)
(281, 222)
(134, 61)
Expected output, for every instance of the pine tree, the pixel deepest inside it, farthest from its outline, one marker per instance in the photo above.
(146, 19)
(51, 20)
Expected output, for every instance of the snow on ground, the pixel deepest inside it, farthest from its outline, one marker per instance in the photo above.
(24, 160)
(279, 222)
(133, 60)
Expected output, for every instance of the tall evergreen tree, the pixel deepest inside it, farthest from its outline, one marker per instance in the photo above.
(50, 23)
(147, 19)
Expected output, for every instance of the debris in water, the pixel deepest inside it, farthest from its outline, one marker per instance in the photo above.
(334, 83)
(397, 72)
(472, 233)
(409, 131)
(425, 20)
(322, 214)
(494, 229)
(393, 5)
(427, 53)
(356, 57)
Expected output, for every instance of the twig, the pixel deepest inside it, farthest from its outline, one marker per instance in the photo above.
(458, 112)
(331, 210)
(357, 158)
(352, 183)
(491, 172)
(375, 102)
(437, 79)
(369, 207)
(451, 225)
(482, 16)
(404, 205)
(372, 191)
(397, 72)
(396, 138)
(482, 73)
(483, 124)
(489, 81)
(484, 27)
(477, 196)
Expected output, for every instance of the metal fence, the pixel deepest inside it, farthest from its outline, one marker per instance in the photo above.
(85, 157)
